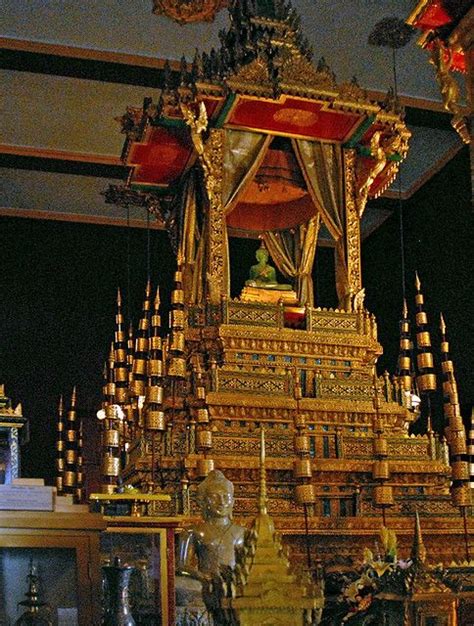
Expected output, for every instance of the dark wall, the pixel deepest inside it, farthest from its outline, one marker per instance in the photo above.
(58, 290)
(438, 233)
(58, 285)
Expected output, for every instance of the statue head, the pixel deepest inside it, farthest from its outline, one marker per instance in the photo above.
(215, 496)
(262, 253)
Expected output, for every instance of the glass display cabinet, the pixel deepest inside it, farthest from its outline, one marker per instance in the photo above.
(64, 548)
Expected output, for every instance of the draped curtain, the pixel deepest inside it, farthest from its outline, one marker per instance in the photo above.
(243, 155)
(186, 224)
(322, 167)
(293, 253)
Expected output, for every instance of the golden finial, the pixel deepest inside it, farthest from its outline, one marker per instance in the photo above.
(405, 308)
(119, 297)
(157, 299)
(442, 324)
(148, 288)
(60, 406)
(74, 397)
(418, 551)
(262, 500)
(417, 282)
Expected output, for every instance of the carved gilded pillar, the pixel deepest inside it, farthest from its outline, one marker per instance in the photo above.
(217, 275)
(351, 228)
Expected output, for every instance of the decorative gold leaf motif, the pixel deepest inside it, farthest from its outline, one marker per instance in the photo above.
(186, 11)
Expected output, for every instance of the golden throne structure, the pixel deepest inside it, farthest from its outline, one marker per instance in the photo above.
(255, 139)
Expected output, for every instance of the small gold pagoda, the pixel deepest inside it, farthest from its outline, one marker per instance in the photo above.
(254, 139)
(263, 590)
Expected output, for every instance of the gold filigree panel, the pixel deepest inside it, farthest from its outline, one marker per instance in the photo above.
(342, 389)
(252, 315)
(250, 446)
(255, 383)
(334, 322)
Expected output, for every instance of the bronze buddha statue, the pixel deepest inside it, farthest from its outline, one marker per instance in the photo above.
(210, 544)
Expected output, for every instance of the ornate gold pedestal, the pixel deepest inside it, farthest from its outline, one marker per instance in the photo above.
(271, 296)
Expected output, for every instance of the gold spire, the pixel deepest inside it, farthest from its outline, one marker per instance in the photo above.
(69, 479)
(60, 448)
(79, 491)
(404, 367)
(417, 282)
(304, 491)
(455, 431)
(177, 362)
(155, 417)
(263, 585)
(418, 550)
(120, 356)
(262, 499)
(200, 423)
(442, 324)
(426, 378)
(141, 346)
(74, 399)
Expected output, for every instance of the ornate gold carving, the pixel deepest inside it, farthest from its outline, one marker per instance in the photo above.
(334, 321)
(253, 314)
(352, 224)
(230, 446)
(299, 73)
(211, 157)
(247, 382)
(213, 154)
(343, 389)
(441, 59)
(352, 92)
(253, 79)
(380, 151)
(189, 10)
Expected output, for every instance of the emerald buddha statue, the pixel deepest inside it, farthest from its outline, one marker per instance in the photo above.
(262, 275)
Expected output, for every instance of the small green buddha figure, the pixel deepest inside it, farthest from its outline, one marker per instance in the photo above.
(262, 275)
